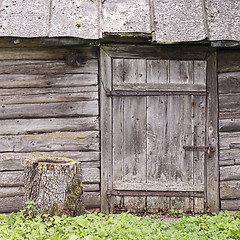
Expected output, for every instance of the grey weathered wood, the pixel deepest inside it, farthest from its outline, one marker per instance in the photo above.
(229, 103)
(199, 74)
(198, 205)
(91, 187)
(181, 203)
(91, 175)
(228, 61)
(45, 125)
(63, 141)
(181, 87)
(118, 185)
(230, 205)
(157, 72)
(14, 161)
(212, 168)
(11, 179)
(227, 138)
(135, 204)
(46, 96)
(157, 204)
(228, 189)
(11, 204)
(229, 162)
(45, 80)
(11, 191)
(106, 128)
(230, 173)
(229, 82)
(181, 72)
(62, 109)
(91, 200)
(229, 125)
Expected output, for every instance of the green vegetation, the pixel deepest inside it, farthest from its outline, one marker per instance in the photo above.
(26, 225)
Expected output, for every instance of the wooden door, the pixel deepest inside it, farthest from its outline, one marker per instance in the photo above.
(154, 113)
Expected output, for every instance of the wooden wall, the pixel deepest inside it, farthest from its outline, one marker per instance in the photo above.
(48, 107)
(229, 128)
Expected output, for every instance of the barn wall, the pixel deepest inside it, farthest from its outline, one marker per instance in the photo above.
(229, 128)
(48, 108)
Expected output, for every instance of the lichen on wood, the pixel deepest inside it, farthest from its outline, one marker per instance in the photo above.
(54, 185)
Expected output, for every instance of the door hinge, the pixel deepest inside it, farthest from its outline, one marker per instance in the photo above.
(208, 149)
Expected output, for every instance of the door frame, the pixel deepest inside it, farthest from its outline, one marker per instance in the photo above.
(163, 52)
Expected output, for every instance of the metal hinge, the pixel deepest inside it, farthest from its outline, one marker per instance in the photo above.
(209, 149)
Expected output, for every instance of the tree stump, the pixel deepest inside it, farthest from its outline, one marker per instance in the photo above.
(54, 185)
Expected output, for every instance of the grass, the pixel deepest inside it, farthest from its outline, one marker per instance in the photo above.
(122, 226)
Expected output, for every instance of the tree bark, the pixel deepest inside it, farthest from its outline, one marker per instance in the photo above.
(54, 185)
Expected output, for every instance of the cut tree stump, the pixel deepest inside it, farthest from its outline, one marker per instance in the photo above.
(54, 185)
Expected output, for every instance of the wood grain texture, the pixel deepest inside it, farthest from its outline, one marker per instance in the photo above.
(11, 191)
(229, 61)
(230, 205)
(229, 125)
(11, 179)
(64, 141)
(229, 82)
(228, 189)
(11, 204)
(230, 173)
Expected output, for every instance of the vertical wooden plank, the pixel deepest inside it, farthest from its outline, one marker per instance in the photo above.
(181, 71)
(106, 129)
(198, 205)
(199, 76)
(157, 71)
(157, 204)
(134, 70)
(117, 70)
(212, 167)
(184, 204)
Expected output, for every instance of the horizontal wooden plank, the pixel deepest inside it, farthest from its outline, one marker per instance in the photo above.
(45, 80)
(230, 173)
(230, 205)
(91, 187)
(117, 185)
(178, 52)
(91, 175)
(229, 102)
(47, 125)
(228, 61)
(91, 199)
(229, 189)
(229, 114)
(11, 204)
(18, 96)
(229, 125)
(12, 179)
(11, 191)
(227, 138)
(14, 161)
(53, 53)
(159, 87)
(229, 82)
(63, 141)
(226, 162)
(229, 154)
(46, 67)
(44, 110)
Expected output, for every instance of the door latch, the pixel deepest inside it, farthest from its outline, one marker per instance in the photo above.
(208, 149)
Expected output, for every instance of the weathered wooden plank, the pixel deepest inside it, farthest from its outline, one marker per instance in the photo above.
(52, 53)
(229, 125)
(228, 189)
(11, 179)
(229, 82)
(47, 67)
(14, 161)
(199, 74)
(229, 103)
(227, 138)
(135, 204)
(118, 185)
(29, 126)
(181, 72)
(46, 125)
(91, 199)
(230, 173)
(48, 80)
(212, 167)
(64, 141)
(229, 162)
(198, 205)
(91, 175)
(157, 71)
(11, 204)
(11, 191)
(117, 69)
(229, 114)
(40, 110)
(91, 187)
(230, 205)
(106, 128)
(168, 52)
(184, 204)
(46, 96)
(157, 204)
(160, 87)
(229, 61)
